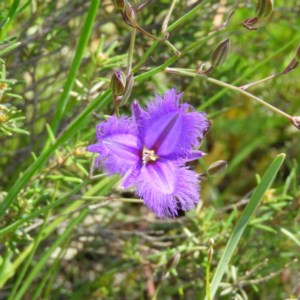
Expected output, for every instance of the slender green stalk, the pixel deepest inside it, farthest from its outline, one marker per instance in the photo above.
(10, 16)
(131, 51)
(167, 18)
(83, 39)
(188, 16)
(264, 103)
(248, 85)
(45, 257)
(231, 87)
(37, 241)
(207, 281)
(244, 220)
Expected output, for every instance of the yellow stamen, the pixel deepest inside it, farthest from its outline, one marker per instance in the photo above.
(148, 155)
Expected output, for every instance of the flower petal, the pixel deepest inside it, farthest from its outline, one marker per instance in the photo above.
(183, 157)
(138, 115)
(167, 187)
(172, 128)
(118, 145)
(130, 177)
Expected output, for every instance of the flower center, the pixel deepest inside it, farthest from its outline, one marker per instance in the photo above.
(148, 155)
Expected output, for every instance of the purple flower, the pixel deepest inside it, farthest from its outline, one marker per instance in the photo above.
(151, 149)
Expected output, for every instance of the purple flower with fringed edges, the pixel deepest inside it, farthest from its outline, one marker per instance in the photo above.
(151, 149)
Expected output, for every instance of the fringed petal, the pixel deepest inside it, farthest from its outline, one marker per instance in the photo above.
(166, 188)
(171, 128)
(118, 145)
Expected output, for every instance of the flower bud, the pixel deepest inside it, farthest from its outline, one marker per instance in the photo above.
(211, 242)
(173, 261)
(291, 66)
(249, 23)
(216, 167)
(119, 4)
(128, 88)
(264, 8)
(118, 83)
(129, 15)
(210, 253)
(220, 54)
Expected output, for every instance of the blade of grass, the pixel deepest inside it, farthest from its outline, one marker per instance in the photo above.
(99, 103)
(37, 241)
(100, 188)
(45, 257)
(291, 236)
(249, 211)
(83, 39)
(10, 16)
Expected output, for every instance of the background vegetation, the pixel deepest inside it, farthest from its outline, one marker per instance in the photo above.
(68, 235)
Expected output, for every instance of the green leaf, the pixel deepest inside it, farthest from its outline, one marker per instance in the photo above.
(246, 216)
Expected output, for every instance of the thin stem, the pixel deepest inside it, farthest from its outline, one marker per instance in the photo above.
(246, 86)
(151, 36)
(266, 104)
(83, 40)
(189, 15)
(131, 51)
(232, 87)
(167, 43)
(207, 281)
(37, 241)
(167, 18)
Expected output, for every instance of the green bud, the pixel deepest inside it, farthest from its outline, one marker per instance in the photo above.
(119, 4)
(220, 54)
(264, 8)
(118, 83)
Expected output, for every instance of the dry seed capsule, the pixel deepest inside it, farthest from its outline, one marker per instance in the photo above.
(220, 54)
(119, 4)
(264, 8)
(118, 83)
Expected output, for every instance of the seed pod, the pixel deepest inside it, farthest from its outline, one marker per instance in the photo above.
(173, 261)
(128, 88)
(210, 253)
(264, 8)
(250, 22)
(216, 167)
(211, 242)
(129, 15)
(220, 54)
(118, 83)
(119, 4)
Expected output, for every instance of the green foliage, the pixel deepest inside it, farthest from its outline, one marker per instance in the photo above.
(68, 231)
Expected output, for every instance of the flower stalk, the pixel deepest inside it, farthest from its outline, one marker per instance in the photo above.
(192, 73)
(290, 67)
(166, 20)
